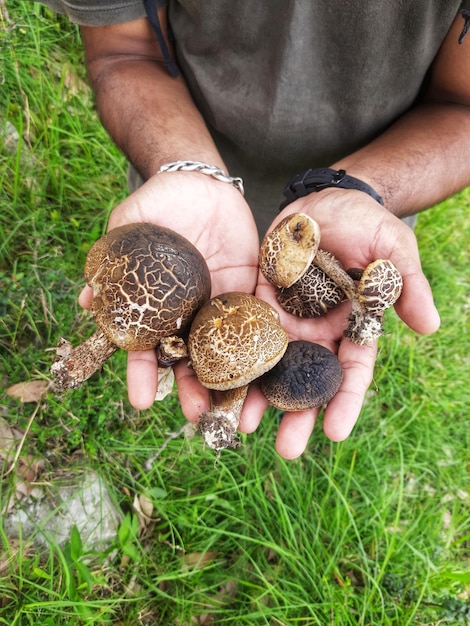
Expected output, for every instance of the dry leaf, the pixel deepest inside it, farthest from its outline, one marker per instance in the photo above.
(30, 391)
(29, 468)
(166, 379)
(199, 560)
(146, 506)
(144, 509)
(8, 439)
(64, 348)
(26, 467)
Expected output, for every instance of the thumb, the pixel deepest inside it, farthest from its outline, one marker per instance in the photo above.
(416, 304)
(85, 297)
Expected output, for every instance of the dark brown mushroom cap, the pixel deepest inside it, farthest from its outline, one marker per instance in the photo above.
(307, 376)
(148, 282)
(234, 339)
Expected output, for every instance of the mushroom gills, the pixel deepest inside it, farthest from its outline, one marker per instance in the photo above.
(288, 250)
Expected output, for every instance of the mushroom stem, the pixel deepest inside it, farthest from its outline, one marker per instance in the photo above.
(73, 366)
(363, 327)
(333, 269)
(219, 425)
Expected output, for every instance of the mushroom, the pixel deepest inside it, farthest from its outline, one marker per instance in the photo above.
(309, 281)
(234, 339)
(307, 376)
(378, 289)
(148, 283)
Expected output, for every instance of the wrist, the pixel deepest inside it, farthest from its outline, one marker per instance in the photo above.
(319, 179)
(203, 168)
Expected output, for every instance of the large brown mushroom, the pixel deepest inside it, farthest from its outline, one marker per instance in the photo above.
(148, 283)
(234, 339)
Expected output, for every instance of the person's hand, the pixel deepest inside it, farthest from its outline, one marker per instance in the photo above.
(357, 230)
(214, 216)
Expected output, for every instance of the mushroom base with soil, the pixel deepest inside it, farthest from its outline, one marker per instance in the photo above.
(73, 366)
(219, 425)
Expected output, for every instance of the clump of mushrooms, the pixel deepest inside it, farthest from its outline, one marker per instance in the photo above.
(148, 283)
(309, 281)
(234, 339)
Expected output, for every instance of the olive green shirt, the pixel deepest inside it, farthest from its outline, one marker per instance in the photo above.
(285, 85)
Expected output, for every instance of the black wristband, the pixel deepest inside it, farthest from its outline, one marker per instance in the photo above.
(316, 180)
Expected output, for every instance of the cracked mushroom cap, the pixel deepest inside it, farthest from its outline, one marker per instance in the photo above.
(379, 287)
(307, 376)
(234, 339)
(148, 282)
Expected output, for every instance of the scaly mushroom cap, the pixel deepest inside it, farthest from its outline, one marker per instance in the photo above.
(307, 376)
(234, 339)
(313, 294)
(380, 286)
(148, 282)
(287, 251)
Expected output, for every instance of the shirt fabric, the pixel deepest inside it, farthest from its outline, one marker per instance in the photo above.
(286, 85)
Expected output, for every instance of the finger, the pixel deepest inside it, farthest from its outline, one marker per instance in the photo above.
(294, 432)
(416, 305)
(85, 297)
(142, 378)
(253, 409)
(343, 410)
(194, 398)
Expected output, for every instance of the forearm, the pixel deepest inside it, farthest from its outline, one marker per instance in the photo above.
(149, 115)
(420, 160)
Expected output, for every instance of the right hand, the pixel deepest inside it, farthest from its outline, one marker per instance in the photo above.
(212, 215)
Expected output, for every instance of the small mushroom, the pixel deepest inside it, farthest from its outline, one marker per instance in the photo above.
(307, 376)
(148, 283)
(234, 339)
(378, 289)
(288, 250)
(317, 280)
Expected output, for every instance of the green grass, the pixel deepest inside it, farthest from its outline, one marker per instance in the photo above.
(374, 530)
